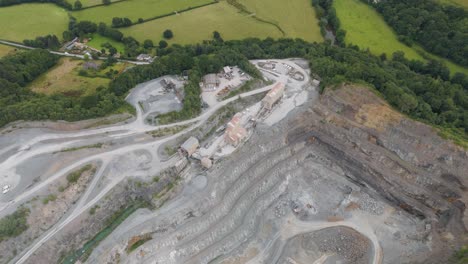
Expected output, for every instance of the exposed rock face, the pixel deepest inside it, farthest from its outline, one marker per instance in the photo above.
(398, 159)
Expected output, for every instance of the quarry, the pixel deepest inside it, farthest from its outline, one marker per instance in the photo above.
(275, 174)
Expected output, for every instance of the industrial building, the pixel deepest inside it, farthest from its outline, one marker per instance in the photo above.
(235, 132)
(190, 146)
(211, 81)
(206, 162)
(273, 96)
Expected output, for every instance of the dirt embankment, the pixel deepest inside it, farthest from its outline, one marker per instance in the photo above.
(45, 211)
(401, 160)
(87, 225)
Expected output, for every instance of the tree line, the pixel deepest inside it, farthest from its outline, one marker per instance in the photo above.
(440, 29)
(62, 3)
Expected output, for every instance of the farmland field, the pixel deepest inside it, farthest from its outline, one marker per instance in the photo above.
(28, 21)
(367, 29)
(64, 79)
(303, 24)
(135, 9)
(198, 25)
(461, 3)
(97, 40)
(87, 3)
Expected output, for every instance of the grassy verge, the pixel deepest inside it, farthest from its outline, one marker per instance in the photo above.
(27, 21)
(247, 86)
(112, 223)
(457, 136)
(6, 50)
(97, 145)
(166, 131)
(75, 176)
(138, 244)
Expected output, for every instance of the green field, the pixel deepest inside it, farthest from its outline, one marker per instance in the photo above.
(301, 23)
(199, 24)
(64, 79)
(135, 9)
(462, 3)
(87, 3)
(97, 40)
(367, 29)
(28, 21)
(6, 50)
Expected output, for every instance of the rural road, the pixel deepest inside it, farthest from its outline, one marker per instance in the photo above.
(21, 46)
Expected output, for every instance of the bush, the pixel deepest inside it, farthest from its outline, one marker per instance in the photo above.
(75, 176)
(14, 224)
(162, 44)
(49, 198)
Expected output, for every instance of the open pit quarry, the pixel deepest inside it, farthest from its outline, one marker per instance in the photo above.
(338, 177)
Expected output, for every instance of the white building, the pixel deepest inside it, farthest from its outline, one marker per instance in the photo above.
(190, 146)
(273, 96)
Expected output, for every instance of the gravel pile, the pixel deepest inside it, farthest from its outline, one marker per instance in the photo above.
(344, 242)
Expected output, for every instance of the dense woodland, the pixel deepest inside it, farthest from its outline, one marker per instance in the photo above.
(62, 3)
(423, 91)
(440, 29)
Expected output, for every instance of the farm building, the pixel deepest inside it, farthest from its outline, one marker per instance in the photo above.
(273, 96)
(211, 81)
(144, 57)
(235, 132)
(190, 146)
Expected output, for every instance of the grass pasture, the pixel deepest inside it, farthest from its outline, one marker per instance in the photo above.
(27, 21)
(460, 3)
(198, 25)
(301, 22)
(367, 29)
(64, 79)
(135, 9)
(6, 50)
(97, 40)
(88, 3)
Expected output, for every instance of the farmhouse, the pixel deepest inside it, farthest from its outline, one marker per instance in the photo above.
(273, 96)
